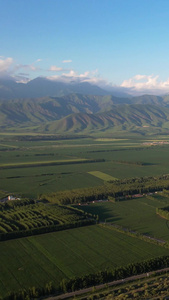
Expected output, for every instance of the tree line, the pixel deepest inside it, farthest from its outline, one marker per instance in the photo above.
(16, 203)
(32, 219)
(45, 229)
(163, 212)
(115, 189)
(73, 284)
(52, 163)
(137, 163)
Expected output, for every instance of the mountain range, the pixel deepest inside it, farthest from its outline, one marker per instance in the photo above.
(42, 87)
(45, 106)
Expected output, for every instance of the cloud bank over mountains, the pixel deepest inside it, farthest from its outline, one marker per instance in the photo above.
(147, 83)
(137, 85)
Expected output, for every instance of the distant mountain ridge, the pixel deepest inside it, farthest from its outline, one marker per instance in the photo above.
(42, 87)
(78, 112)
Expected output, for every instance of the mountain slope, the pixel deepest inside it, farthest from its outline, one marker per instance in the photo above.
(122, 117)
(77, 113)
(37, 110)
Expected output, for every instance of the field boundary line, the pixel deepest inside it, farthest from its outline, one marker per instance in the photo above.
(136, 234)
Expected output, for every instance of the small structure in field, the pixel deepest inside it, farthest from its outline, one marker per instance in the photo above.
(137, 196)
(11, 198)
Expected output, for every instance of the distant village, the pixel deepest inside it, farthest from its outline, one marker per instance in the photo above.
(155, 143)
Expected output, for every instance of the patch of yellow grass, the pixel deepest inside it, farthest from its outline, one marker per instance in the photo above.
(102, 175)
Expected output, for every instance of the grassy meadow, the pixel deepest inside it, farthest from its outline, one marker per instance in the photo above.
(35, 260)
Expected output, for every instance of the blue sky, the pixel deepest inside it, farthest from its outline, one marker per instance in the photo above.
(115, 42)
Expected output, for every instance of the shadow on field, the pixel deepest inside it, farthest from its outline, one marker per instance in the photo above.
(104, 212)
(112, 219)
(125, 199)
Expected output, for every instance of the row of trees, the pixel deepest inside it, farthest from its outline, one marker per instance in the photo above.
(49, 137)
(137, 163)
(132, 233)
(163, 212)
(115, 189)
(68, 285)
(39, 218)
(45, 229)
(16, 203)
(120, 149)
(52, 163)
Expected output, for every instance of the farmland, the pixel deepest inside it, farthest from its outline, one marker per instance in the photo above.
(38, 218)
(32, 166)
(55, 165)
(102, 175)
(34, 261)
(136, 214)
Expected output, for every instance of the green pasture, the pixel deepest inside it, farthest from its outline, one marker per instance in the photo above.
(137, 214)
(35, 260)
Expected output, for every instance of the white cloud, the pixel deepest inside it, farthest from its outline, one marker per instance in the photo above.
(74, 76)
(22, 78)
(141, 82)
(98, 81)
(71, 73)
(30, 67)
(66, 61)
(10, 70)
(137, 85)
(55, 69)
(87, 75)
(5, 64)
(146, 84)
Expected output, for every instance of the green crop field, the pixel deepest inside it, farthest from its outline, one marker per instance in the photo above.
(42, 171)
(137, 214)
(35, 260)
